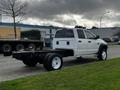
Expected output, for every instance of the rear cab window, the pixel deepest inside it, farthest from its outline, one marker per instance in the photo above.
(65, 33)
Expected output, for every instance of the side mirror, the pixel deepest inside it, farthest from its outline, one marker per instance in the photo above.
(97, 37)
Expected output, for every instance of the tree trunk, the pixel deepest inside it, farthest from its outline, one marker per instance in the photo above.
(14, 24)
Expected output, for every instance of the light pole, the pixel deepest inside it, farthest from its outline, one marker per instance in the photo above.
(101, 17)
(0, 18)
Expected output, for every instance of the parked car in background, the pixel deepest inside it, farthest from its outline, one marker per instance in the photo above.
(107, 39)
(119, 42)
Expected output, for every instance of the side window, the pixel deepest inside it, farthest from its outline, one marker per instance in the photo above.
(81, 34)
(89, 35)
(65, 33)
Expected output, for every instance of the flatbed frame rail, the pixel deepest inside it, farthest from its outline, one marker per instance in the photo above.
(40, 54)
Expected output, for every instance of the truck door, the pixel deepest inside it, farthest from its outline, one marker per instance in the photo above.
(82, 47)
(92, 43)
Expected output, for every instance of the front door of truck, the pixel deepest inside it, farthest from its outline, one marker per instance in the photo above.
(92, 43)
(82, 47)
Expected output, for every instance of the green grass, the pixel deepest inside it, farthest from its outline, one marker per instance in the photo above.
(104, 75)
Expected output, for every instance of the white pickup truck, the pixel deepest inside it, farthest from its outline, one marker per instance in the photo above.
(67, 42)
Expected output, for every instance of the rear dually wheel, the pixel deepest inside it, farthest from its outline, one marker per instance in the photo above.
(53, 61)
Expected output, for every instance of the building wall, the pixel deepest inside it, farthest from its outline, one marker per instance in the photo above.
(8, 33)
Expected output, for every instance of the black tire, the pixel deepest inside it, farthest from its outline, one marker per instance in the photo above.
(30, 62)
(39, 48)
(102, 55)
(53, 61)
(7, 53)
(32, 46)
(6, 48)
(19, 47)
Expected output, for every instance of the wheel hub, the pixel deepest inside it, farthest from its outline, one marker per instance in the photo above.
(56, 62)
(104, 55)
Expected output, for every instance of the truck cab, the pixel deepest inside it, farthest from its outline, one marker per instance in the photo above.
(83, 42)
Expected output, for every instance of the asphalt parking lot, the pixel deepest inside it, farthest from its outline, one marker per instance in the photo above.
(13, 69)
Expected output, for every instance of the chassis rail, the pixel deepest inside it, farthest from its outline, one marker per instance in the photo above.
(39, 55)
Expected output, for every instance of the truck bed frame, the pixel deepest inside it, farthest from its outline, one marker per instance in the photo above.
(40, 55)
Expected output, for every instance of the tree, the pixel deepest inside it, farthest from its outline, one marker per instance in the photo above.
(77, 26)
(14, 9)
(94, 27)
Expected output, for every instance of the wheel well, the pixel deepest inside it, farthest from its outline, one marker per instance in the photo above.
(105, 47)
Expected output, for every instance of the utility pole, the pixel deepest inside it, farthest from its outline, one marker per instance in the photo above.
(101, 17)
(0, 18)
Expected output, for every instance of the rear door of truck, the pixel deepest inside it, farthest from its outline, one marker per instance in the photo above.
(93, 44)
(64, 39)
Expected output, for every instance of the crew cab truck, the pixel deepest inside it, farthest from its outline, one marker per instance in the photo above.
(67, 42)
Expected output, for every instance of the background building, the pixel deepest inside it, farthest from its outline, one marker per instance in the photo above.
(8, 33)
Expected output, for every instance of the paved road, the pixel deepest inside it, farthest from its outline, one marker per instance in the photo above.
(12, 69)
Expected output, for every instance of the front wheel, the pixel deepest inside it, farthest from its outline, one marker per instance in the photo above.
(31, 46)
(102, 55)
(19, 47)
(53, 61)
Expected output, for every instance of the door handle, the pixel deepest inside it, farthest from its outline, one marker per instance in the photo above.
(79, 41)
(89, 41)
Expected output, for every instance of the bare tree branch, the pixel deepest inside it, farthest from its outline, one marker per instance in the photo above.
(13, 8)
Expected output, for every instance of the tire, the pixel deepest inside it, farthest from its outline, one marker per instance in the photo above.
(41, 59)
(102, 55)
(38, 48)
(30, 62)
(53, 61)
(19, 47)
(31, 46)
(7, 48)
(7, 53)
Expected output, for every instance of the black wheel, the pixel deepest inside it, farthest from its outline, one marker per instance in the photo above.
(7, 49)
(53, 61)
(30, 62)
(39, 48)
(102, 55)
(7, 53)
(40, 59)
(19, 47)
(31, 46)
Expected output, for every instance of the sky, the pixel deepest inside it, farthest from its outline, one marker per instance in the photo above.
(68, 13)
